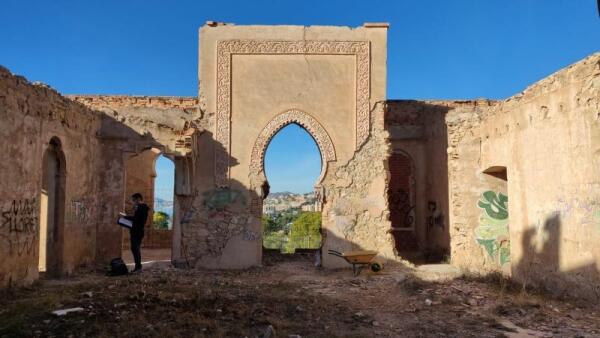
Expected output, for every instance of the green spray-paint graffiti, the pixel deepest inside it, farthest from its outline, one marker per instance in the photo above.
(220, 198)
(492, 232)
(597, 219)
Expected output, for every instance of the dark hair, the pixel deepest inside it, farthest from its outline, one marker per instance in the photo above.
(137, 196)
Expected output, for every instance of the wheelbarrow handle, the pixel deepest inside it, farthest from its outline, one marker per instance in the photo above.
(335, 253)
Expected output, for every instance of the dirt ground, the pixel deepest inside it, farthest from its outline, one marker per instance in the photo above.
(148, 255)
(290, 298)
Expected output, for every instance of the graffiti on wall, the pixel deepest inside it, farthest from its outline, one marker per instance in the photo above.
(581, 205)
(22, 246)
(492, 233)
(435, 217)
(218, 199)
(402, 210)
(18, 226)
(249, 235)
(79, 212)
(596, 216)
(188, 215)
(584, 209)
(20, 216)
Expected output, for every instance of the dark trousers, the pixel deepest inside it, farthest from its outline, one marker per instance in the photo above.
(136, 246)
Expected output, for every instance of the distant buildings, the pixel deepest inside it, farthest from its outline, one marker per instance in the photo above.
(279, 202)
(314, 206)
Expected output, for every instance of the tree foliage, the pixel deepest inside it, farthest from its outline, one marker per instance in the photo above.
(160, 220)
(268, 224)
(307, 223)
(292, 229)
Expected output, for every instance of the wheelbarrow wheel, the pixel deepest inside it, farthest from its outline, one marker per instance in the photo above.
(375, 267)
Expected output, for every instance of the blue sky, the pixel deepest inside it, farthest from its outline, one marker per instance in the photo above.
(436, 49)
(165, 178)
(292, 161)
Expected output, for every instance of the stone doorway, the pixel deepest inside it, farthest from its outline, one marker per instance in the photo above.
(291, 219)
(402, 203)
(151, 173)
(329, 81)
(52, 209)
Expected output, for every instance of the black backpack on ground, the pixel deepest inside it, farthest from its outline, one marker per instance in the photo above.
(118, 267)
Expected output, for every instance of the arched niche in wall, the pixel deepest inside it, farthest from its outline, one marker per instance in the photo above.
(402, 201)
(143, 175)
(52, 209)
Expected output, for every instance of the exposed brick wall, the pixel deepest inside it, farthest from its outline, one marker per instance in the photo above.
(158, 239)
(164, 102)
(166, 122)
(400, 190)
(401, 201)
(418, 129)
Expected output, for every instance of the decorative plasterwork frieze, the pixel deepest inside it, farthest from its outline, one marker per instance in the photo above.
(227, 48)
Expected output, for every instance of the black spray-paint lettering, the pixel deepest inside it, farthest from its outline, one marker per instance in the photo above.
(20, 216)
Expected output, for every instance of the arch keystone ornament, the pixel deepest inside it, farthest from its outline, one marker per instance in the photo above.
(309, 123)
(361, 50)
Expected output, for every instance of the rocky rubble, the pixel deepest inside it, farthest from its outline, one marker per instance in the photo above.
(290, 299)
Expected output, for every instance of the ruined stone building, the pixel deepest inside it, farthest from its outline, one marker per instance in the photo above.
(508, 186)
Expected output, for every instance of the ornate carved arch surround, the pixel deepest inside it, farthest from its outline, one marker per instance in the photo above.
(312, 126)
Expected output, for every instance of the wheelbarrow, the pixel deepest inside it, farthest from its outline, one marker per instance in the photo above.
(359, 259)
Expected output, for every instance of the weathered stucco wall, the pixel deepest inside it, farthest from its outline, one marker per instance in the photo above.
(509, 186)
(94, 143)
(257, 79)
(133, 125)
(31, 115)
(418, 130)
(545, 228)
(165, 122)
(356, 212)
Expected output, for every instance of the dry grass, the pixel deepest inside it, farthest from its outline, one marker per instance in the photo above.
(291, 297)
(173, 303)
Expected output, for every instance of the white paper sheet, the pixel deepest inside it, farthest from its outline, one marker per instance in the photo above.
(124, 222)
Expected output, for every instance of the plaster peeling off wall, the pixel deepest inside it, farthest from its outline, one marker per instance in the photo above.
(208, 227)
(31, 115)
(418, 131)
(355, 214)
(465, 185)
(548, 139)
(163, 122)
(254, 79)
(134, 124)
(356, 211)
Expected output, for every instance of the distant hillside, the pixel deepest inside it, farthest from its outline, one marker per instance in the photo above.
(164, 206)
(281, 194)
(281, 201)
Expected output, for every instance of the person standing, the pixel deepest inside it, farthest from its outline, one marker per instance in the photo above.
(136, 232)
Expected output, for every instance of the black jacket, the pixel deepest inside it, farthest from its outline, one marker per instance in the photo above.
(139, 219)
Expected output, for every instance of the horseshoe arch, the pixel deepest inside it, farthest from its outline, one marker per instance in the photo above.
(306, 121)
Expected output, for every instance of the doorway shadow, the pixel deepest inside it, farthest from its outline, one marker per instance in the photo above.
(418, 130)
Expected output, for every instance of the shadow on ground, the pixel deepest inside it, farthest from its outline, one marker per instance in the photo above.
(289, 297)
